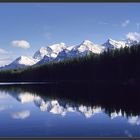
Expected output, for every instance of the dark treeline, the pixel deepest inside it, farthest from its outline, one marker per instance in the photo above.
(111, 98)
(119, 66)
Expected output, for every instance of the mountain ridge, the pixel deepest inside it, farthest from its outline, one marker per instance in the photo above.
(60, 52)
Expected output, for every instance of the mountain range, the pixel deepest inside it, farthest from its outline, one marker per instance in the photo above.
(60, 52)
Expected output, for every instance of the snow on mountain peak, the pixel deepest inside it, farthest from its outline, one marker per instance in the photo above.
(56, 48)
(85, 42)
(69, 48)
(59, 52)
(110, 43)
(87, 45)
(111, 40)
(24, 60)
(129, 42)
(42, 52)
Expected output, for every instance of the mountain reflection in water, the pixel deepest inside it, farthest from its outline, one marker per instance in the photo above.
(53, 103)
(61, 107)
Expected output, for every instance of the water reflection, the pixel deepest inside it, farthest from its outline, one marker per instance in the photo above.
(54, 106)
(61, 107)
(4, 107)
(21, 115)
(134, 120)
(38, 112)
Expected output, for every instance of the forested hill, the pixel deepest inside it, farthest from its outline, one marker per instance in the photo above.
(119, 65)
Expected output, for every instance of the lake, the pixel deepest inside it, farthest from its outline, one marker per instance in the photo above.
(42, 110)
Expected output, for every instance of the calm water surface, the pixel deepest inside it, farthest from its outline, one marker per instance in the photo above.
(26, 114)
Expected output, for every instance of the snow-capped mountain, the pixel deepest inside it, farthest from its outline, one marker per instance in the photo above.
(130, 42)
(88, 46)
(60, 52)
(49, 51)
(44, 60)
(20, 62)
(57, 48)
(63, 55)
(43, 51)
(113, 44)
(83, 49)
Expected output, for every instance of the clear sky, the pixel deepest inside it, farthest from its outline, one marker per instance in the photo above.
(25, 27)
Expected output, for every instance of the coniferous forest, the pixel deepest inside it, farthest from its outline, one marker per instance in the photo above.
(120, 66)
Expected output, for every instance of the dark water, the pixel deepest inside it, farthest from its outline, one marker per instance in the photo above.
(64, 111)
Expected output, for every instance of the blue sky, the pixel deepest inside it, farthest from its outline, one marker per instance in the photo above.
(25, 27)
